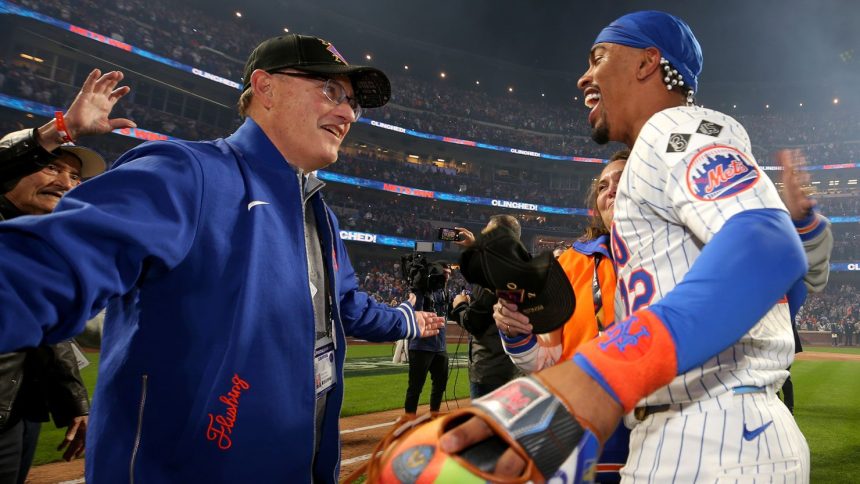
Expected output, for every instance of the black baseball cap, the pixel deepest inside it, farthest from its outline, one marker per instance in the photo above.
(499, 261)
(317, 56)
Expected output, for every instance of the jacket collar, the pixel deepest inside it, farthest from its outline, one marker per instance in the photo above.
(590, 247)
(255, 145)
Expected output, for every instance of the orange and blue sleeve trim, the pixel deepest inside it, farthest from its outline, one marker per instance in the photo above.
(632, 359)
(810, 227)
(516, 345)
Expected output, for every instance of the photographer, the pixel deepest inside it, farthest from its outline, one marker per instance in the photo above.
(489, 365)
(429, 283)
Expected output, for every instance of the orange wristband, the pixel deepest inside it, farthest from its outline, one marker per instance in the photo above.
(61, 128)
(633, 358)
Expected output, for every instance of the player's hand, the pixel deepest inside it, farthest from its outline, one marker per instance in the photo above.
(89, 113)
(428, 323)
(510, 321)
(75, 440)
(794, 195)
(412, 299)
(467, 238)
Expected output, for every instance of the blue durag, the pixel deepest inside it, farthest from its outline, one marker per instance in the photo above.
(669, 34)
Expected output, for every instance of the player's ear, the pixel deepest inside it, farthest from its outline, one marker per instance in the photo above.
(649, 63)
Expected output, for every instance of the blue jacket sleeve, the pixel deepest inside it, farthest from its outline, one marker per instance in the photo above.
(749, 265)
(59, 270)
(362, 316)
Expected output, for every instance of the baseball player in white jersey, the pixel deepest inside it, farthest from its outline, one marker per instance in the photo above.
(705, 253)
(690, 171)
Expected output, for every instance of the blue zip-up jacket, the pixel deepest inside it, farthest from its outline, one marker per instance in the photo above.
(206, 371)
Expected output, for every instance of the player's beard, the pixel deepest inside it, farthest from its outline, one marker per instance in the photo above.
(600, 133)
(600, 130)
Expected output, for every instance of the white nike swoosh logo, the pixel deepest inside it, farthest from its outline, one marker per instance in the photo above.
(255, 203)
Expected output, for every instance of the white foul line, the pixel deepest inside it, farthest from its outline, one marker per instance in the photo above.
(369, 427)
(355, 460)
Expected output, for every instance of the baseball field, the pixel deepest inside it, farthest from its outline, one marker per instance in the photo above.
(827, 407)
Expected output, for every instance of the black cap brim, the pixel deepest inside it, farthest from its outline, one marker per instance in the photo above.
(372, 87)
(556, 302)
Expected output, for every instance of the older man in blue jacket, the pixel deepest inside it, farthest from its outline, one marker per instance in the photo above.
(228, 287)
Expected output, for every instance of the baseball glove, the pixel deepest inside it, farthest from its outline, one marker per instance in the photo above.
(524, 415)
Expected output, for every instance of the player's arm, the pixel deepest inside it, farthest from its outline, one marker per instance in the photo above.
(364, 317)
(59, 270)
(528, 351)
(749, 265)
(750, 259)
(812, 227)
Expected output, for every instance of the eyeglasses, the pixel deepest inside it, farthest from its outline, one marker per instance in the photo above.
(54, 170)
(333, 90)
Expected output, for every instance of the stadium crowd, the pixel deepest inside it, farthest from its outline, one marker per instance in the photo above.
(190, 36)
(382, 278)
(361, 210)
(837, 310)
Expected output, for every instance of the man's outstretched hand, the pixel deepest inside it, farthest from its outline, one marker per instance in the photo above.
(428, 323)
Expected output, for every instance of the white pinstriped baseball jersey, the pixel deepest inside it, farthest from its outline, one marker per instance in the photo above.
(690, 170)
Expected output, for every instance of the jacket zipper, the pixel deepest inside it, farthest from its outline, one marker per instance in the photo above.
(139, 430)
(334, 291)
(334, 331)
(310, 293)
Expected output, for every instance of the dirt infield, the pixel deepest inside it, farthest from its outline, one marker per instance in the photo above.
(359, 433)
(820, 356)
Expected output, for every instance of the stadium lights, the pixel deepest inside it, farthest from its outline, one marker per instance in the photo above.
(406, 67)
(852, 182)
(542, 95)
(286, 30)
(801, 104)
(767, 106)
(440, 159)
(510, 89)
(734, 106)
(239, 14)
(368, 57)
(442, 75)
(477, 83)
(32, 58)
(836, 100)
(414, 156)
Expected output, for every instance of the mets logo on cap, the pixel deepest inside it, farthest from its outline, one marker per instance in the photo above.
(330, 48)
(719, 172)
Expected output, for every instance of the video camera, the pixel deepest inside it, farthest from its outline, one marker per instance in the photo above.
(421, 274)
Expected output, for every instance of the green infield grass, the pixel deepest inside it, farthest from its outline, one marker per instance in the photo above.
(50, 436)
(827, 409)
(848, 350)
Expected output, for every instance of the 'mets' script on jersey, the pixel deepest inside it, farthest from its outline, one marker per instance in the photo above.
(691, 170)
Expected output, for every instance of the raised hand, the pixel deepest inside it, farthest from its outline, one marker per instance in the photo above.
(795, 196)
(89, 113)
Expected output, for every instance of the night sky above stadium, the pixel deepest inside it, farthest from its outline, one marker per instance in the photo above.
(756, 52)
